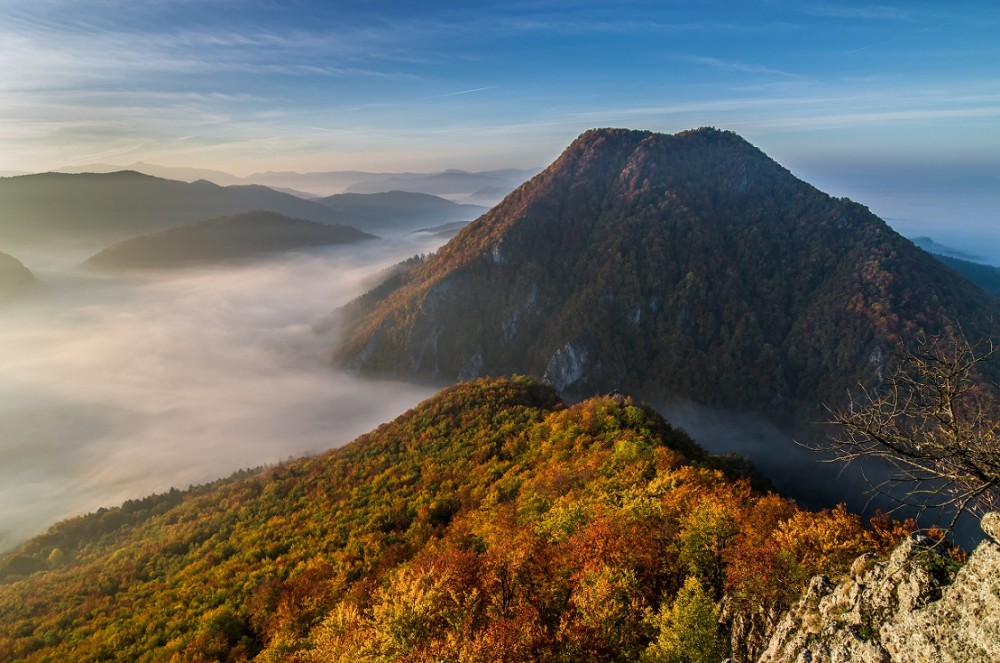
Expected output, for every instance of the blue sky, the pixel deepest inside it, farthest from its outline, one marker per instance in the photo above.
(252, 85)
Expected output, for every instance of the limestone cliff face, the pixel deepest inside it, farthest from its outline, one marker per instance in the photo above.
(912, 607)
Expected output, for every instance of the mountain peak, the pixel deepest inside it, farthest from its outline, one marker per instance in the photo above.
(666, 163)
(685, 265)
(702, 136)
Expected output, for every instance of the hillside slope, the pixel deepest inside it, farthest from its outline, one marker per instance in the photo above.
(226, 238)
(14, 276)
(673, 266)
(492, 522)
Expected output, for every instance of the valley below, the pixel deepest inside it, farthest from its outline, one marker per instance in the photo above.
(113, 387)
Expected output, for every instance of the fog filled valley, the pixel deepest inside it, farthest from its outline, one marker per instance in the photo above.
(115, 386)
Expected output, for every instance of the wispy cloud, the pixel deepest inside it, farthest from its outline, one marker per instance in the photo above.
(734, 65)
(318, 80)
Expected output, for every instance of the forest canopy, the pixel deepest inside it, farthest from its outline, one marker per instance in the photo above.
(492, 522)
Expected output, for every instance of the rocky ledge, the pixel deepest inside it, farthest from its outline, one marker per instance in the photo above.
(918, 605)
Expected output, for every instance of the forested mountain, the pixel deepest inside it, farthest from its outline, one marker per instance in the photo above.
(397, 210)
(14, 276)
(688, 265)
(223, 239)
(492, 522)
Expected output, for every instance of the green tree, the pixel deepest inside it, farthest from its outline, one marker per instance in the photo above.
(689, 629)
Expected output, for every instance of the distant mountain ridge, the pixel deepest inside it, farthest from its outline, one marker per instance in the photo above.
(971, 267)
(397, 210)
(183, 174)
(483, 187)
(929, 245)
(122, 204)
(677, 266)
(473, 187)
(224, 239)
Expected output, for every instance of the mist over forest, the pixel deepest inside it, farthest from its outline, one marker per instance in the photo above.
(114, 387)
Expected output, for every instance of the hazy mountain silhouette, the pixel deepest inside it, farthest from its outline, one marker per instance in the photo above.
(125, 203)
(397, 210)
(483, 188)
(120, 205)
(14, 276)
(223, 239)
(929, 245)
(183, 174)
(487, 186)
(688, 265)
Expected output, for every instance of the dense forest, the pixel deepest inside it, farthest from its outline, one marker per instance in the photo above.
(678, 266)
(492, 522)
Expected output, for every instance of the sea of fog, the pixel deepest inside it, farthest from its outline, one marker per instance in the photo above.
(113, 387)
(116, 386)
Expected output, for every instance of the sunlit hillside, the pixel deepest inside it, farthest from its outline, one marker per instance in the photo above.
(492, 522)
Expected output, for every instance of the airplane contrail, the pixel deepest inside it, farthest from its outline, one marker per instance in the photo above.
(454, 94)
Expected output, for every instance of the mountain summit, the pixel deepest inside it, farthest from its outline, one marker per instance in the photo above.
(689, 265)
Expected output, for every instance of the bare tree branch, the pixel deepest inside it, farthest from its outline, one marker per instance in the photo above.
(935, 421)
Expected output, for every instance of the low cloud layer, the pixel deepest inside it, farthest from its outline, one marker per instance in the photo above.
(115, 387)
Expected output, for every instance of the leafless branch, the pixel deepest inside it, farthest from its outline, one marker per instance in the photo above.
(935, 422)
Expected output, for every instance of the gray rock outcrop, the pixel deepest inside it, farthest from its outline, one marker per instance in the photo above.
(913, 607)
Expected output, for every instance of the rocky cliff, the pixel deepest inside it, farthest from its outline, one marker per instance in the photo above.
(913, 607)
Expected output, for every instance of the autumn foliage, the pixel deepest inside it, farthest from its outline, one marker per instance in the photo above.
(493, 522)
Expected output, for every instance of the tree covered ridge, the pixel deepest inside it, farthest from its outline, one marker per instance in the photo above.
(686, 265)
(492, 522)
